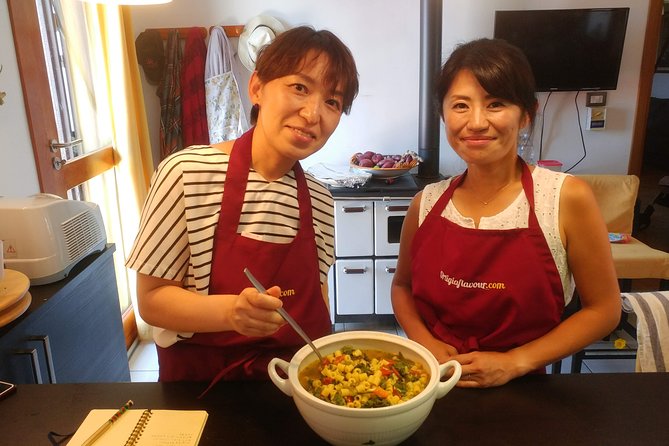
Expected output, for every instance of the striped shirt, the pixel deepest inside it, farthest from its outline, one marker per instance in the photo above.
(180, 215)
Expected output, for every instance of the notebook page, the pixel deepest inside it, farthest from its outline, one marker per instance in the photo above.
(116, 435)
(173, 428)
(164, 428)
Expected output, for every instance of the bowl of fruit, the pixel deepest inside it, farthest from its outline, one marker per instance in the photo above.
(384, 166)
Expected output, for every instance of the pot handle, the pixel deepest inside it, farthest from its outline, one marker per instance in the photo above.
(283, 384)
(443, 387)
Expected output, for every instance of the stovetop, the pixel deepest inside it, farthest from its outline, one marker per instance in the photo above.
(404, 186)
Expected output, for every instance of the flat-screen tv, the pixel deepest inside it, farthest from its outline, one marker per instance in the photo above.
(568, 49)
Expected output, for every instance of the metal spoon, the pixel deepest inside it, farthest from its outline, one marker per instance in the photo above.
(261, 289)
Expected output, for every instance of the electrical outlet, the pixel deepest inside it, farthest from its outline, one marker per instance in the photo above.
(595, 99)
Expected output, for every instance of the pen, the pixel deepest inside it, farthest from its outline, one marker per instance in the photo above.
(102, 429)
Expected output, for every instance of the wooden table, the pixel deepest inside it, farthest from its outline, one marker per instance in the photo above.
(576, 409)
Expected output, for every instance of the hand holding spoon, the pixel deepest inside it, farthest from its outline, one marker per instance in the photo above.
(261, 289)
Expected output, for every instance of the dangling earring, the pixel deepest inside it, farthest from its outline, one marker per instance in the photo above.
(525, 146)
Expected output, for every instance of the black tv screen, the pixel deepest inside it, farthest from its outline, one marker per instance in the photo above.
(568, 49)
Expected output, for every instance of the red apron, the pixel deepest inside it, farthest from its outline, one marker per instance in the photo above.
(487, 290)
(293, 266)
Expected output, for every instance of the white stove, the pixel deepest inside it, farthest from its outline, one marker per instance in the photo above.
(368, 224)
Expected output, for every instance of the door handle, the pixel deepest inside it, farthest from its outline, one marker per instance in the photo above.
(34, 361)
(44, 339)
(352, 209)
(390, 270)
(354, 270)
(397, 208)
(56, 146)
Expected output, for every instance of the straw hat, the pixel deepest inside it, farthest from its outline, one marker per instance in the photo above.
(258, 32)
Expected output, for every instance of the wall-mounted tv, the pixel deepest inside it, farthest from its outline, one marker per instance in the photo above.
(568, 49)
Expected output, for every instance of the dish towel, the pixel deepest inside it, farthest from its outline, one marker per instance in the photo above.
(225, 116)
(652, 313)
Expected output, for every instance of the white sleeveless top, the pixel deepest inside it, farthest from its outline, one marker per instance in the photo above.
(547, 187)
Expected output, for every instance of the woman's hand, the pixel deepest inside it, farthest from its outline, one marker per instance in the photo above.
(254, 314)
(486, 369)
(441, 350)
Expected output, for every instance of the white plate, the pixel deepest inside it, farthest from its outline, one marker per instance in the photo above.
(382, 173)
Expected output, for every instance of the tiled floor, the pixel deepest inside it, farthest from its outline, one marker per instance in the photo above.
(144, 361)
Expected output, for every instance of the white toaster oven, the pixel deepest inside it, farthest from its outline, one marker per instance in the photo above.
(44, 236)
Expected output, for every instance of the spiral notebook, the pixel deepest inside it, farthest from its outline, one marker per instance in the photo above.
(144, 427)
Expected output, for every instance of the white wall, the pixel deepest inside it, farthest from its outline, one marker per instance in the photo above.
(18, 176)
(608, 150)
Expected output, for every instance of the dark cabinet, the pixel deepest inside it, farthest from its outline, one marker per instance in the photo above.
(72, 331)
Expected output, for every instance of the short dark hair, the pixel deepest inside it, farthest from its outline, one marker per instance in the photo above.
(501, 68)
(287, 55)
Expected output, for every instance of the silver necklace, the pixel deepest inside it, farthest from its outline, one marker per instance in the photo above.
(495, 195)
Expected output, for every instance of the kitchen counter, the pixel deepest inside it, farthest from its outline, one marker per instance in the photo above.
(41, 294)
(576, 409)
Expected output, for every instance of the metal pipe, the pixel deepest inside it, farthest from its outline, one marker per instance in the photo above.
(430, 64)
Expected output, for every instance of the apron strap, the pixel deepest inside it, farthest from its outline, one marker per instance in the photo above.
(528, 189)
(247, 362)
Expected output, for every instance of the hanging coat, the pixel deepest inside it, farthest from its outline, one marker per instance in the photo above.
(225, 115)
(193, 109)
(169, 93)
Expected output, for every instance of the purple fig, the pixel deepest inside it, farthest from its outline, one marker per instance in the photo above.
(377, 157)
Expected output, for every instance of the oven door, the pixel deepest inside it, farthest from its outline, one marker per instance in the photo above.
(388, 218)
(354, 280)
(384, 270)
(354, 228)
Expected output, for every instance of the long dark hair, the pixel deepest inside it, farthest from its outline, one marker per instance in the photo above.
(501, 68)
(287, 54)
